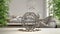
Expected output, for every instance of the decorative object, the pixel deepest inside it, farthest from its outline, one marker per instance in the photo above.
(30, 21)
(48, 22)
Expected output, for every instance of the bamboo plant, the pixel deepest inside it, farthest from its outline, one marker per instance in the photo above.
(4, 7)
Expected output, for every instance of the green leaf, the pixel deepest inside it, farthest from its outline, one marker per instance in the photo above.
(4, 7)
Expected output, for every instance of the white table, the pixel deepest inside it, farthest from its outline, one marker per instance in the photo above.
(43, 31)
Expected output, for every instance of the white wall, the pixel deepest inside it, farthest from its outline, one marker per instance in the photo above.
(19, 7)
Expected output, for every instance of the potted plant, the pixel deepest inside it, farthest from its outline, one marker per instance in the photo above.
(54, 8)
(4, 7)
